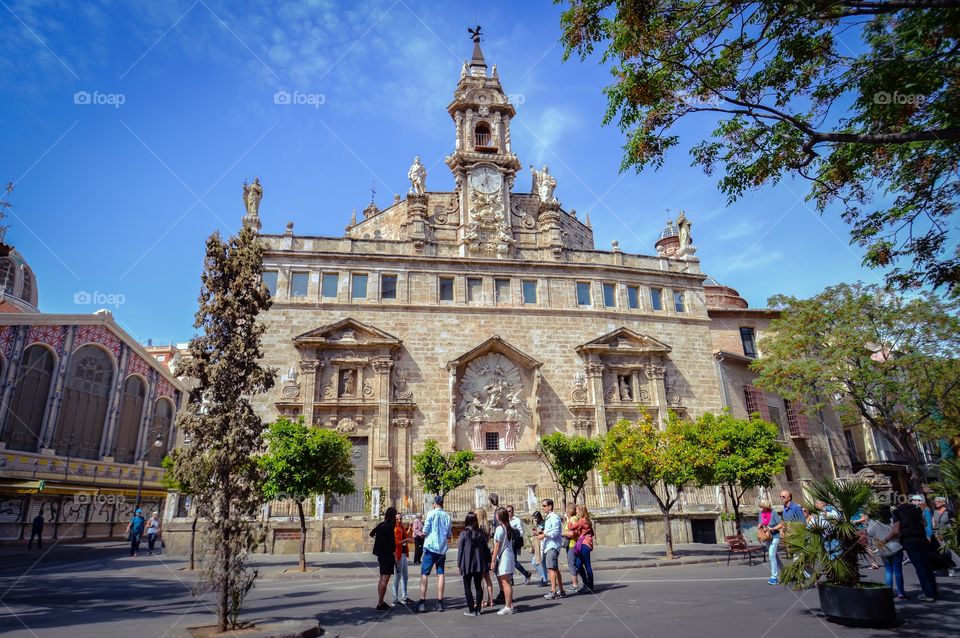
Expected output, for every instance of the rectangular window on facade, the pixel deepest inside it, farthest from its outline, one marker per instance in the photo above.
(756, 401)
(583, 293)
(388, 287)
(678, 304)
(474, 289)
(358, 286)
(609, 296)
(298, 284)
(633, 297)
(777, 419)
(446, 289)
(269, 278)
(331, 280)
(851, 446)
(501, 290)
(656, 298)
(529, 291)
(491, 441)
(748, 339)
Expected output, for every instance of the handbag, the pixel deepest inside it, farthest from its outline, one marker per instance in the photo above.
(764, 535)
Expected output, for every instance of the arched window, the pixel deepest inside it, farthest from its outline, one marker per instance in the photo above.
(8, 275)
(86, 397)
(128, 426)
(481, 136)
(162, 419)
(29, 403)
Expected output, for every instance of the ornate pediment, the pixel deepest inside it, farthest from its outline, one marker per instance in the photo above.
(347, 333)
(624, 342)
(496, 344)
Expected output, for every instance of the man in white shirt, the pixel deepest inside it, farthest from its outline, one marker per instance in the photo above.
(517, 526)
(552, 535)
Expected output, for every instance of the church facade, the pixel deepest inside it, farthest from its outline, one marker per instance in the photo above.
(483, 318)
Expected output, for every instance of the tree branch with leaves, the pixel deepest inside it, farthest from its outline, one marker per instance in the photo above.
(858, 98)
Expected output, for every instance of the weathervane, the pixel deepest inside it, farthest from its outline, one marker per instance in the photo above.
(475, 33)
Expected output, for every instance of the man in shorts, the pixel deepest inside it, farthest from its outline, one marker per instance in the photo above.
(552, 536)
(436, 530)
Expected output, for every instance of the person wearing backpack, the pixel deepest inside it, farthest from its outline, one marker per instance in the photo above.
(517, 526)
(135, 531)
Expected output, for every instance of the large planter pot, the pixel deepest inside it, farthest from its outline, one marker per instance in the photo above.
(869, 606)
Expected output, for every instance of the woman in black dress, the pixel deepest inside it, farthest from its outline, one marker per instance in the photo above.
(384, 548)
(473, 559)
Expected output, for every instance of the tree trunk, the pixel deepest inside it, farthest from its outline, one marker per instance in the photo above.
(225, 550)
(735, 503)
(193, 536)
(667, 532)
(303, 537)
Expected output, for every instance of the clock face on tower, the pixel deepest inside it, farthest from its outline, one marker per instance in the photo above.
(486, 179)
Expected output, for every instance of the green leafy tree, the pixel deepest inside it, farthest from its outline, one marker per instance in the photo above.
(870, 353)
(859, 99)
(220, 464)
(642, 454)
(570, 459)
(745, 454)
(304, 461)
(440, 473)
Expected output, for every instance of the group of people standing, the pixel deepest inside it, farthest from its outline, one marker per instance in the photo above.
(488, 547)
(908, 531)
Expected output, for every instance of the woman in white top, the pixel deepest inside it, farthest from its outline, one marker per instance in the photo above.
(153, 530)
(504, 559)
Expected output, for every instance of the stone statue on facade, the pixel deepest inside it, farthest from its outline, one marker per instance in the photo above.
(252, 194)
(624, 390)
(686, 249)
(418, 177)
(544, 184)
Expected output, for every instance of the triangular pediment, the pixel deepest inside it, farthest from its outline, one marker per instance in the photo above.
(496, 344)
(346, 333)
(624, 340)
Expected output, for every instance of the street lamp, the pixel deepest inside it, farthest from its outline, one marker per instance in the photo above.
(158, 443)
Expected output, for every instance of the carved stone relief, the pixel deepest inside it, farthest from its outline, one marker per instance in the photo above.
(493, 399)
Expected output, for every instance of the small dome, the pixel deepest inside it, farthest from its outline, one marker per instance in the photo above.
(669, 231)
(720, 297)
(18, 285)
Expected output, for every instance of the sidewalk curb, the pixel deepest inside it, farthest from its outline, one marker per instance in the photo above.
(315, 573)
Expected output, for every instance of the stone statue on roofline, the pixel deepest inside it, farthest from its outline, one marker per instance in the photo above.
(418, 178)
(686, 249)
(252, 194)
(544, 184)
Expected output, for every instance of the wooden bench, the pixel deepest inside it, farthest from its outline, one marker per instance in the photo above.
(737, 544)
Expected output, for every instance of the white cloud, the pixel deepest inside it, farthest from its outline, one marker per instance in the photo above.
(751, 260)
(547, 129)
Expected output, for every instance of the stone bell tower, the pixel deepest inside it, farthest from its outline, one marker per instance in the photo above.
(483, 163)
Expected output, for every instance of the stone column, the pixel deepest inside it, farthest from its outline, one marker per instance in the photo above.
(10, 379)
(417, 219)
(147, 418)
(381, 432)
(468, 131)
(452, 417)
(308, 386)
(506, 133)
(402, 424)
(376, 493)
(53, 407)
(656, 374)
(116, 398)
(458, 118)
(595, 381)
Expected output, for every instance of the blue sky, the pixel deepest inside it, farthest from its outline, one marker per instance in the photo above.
(117, 193)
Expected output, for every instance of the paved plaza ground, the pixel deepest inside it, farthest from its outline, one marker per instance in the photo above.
(96, 590)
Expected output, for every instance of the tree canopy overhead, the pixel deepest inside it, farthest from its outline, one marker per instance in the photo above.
(859, 98)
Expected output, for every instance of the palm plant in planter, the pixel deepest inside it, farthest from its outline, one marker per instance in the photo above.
(827, 552)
